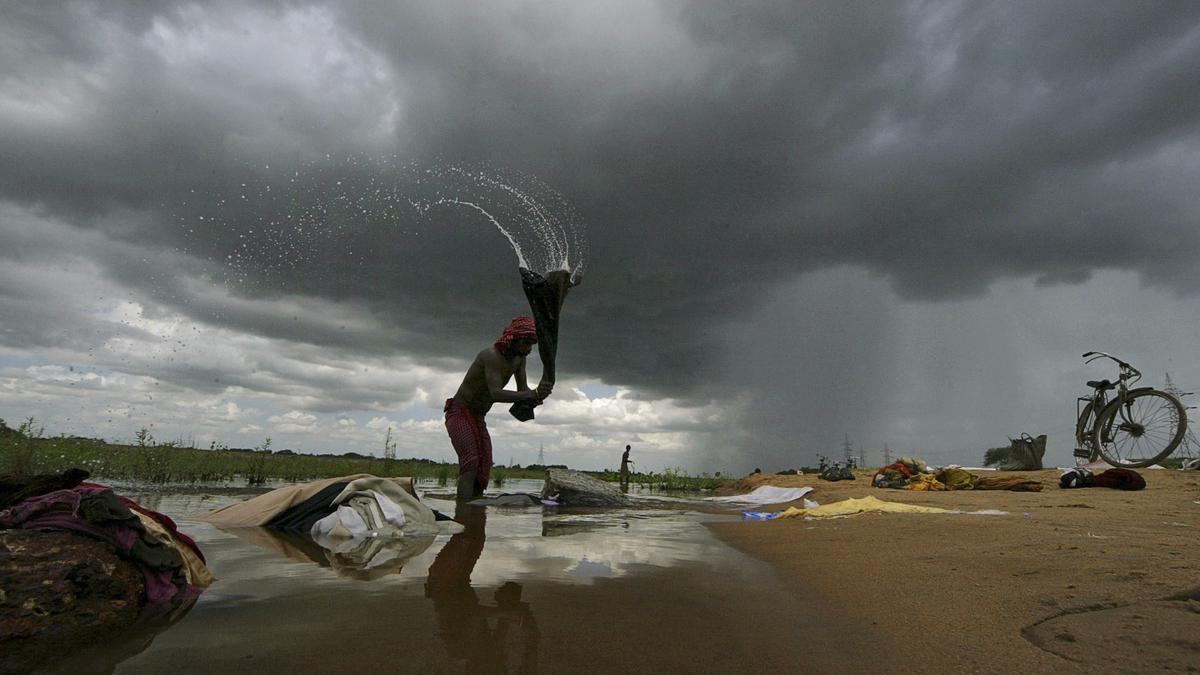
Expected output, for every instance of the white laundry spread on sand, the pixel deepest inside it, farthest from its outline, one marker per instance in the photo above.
(764, 494)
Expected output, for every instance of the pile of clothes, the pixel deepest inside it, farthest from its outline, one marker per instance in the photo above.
(172, 566)
(911, 473)
(1121, 479)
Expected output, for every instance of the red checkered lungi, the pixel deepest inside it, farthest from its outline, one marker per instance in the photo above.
(469, 436)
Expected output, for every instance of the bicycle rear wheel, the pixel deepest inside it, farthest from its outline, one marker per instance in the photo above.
(1084, 438)
(1144, 429)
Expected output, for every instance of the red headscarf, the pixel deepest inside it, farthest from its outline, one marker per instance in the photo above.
(519, 327)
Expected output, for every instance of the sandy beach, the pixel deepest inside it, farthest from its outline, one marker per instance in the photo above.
(1083, 580)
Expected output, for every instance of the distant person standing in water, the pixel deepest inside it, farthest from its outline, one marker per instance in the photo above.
(482, 386)
(625, 462)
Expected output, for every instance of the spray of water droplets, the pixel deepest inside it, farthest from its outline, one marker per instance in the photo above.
(272, 223)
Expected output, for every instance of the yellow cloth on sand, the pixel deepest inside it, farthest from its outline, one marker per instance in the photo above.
(924, 481)
(851, 507)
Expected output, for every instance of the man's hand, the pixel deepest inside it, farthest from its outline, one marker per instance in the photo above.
(544, 389)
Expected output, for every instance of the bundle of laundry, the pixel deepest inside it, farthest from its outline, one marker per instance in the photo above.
(346, 507)
(172, 566)
(902, 476)
(1121, 479)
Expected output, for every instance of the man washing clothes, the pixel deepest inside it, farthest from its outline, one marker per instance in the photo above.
(482, 386)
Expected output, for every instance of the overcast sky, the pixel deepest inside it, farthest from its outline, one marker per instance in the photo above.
(899, 222)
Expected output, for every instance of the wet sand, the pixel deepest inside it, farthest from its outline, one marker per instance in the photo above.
(1084, 580)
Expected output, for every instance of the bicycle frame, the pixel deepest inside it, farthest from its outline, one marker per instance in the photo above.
(1088, 408)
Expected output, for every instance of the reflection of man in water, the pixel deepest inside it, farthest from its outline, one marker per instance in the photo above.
(482, 386)
(625, 462)
(463, 621)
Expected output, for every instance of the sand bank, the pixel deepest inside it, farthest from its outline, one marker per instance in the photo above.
(1085, 580)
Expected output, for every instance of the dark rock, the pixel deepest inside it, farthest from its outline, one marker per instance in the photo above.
(60, 592)
(576, 489)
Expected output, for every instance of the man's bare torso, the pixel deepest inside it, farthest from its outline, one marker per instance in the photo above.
(474, 390)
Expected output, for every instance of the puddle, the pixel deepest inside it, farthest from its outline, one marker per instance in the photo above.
(522, 588)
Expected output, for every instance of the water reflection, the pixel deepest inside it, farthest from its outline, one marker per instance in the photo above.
(115, 648)
(362, 559)
(502, 637)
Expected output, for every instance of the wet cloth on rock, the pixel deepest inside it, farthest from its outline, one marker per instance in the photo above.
(264, 508)
(168, 524)
(196, 572)
(94, 511)
(764, 494)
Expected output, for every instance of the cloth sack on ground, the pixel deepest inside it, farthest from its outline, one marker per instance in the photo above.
(1022, 454)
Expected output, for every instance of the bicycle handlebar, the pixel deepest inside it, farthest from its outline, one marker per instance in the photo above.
(1092, 356)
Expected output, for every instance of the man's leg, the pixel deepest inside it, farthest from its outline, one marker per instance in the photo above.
(485, 458)
(464, 436)
(466, 488)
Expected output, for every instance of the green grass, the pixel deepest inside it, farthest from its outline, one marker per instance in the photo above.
(27, 451)
(669, 480)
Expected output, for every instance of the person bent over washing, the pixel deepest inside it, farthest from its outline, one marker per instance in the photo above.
(482, 386)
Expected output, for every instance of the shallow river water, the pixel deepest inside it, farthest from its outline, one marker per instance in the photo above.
(521, 590)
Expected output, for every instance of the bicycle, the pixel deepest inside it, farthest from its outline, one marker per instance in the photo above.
(1135, 429)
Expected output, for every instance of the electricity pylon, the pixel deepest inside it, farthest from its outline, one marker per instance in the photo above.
(1189, 446)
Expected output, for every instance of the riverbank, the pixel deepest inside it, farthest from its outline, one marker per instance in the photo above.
(1085, 580)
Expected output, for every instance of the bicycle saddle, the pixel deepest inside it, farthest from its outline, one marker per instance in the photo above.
(1102, 385)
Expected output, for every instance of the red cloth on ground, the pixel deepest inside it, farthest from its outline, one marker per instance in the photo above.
(1122, 479)
(471, 441)
(896, 467)
(519, 327)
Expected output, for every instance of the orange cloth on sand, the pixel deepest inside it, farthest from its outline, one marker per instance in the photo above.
(1014, 483)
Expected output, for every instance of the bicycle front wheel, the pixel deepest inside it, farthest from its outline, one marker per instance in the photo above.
(1143, 429)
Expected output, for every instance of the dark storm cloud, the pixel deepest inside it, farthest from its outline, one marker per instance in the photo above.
(714, 151)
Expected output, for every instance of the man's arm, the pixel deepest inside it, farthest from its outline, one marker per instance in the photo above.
(522, 382)
(495, 384)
